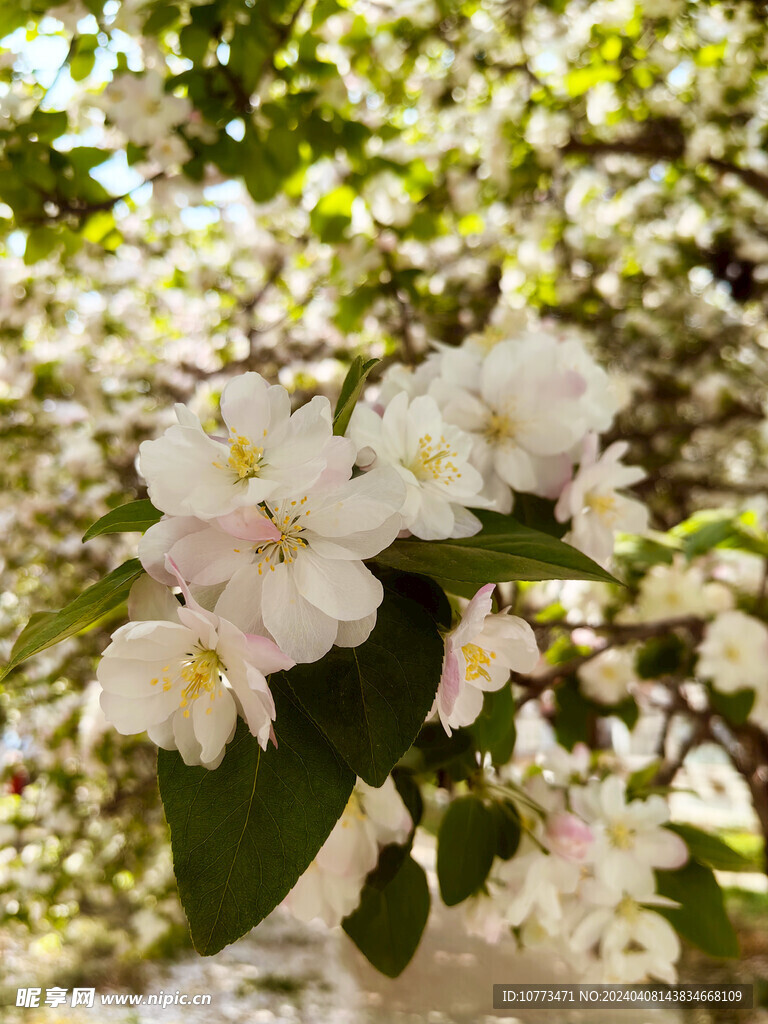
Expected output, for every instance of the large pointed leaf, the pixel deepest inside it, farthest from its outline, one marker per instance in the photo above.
(48, 628)
(504, 550)
(388, 924)
(371, 700)
(353, 384)
(244, 833)
(701, 916)
(134, 517)
(466, 846)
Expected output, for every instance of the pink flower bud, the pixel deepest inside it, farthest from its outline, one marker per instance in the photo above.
(569, 836)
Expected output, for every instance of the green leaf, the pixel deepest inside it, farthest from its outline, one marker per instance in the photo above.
(661, 655)
(508, 830)
(332, 214)
(494, 728)
(134, 517)
(350, 392)
(711, 850)
(370, 701)
(48, 628)
(504, 550)
(388, 924)
(701, 917)
(735, 707)
(243, 834)
(466, 845)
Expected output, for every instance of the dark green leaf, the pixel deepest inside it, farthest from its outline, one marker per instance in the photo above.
(710, 850)
(48, 628)
(660, 656)
(701, 917)
(349, 394)
(507, 829)
(371, 700)
(494, 728)
(388, 924)
(735, 707)
(504, 550)
(466, 845)
(438, 750)
(244, 833)
(134, 517)
(409, 791)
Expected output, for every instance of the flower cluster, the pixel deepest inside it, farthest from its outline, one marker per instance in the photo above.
(266, 526)
(581, 885)
(501, 414)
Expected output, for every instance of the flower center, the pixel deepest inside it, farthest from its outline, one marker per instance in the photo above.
(628, 908)
(353, 811)
(288, 520)
(603, 505)
(732, 653)
(500, 427)
(202, 674)
(244, 456)
(476, 659)
(621, 836)
(435, 459)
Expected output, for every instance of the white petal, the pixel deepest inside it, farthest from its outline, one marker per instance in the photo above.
(245, 408)
(150, 600)
(240, 601)
(301, 630)
(158, 541)
(354, 633)
(342, 589)
(214, 723)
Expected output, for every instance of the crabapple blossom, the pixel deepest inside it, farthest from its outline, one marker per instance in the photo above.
(480, 652)
(267, 452)
(629, 840)
(568, 836)
(606, 678)
(522, 412)
(292, 568)
(734, 653)
(669, 591)
(431, 457)
(330, 887)
(592, 505)
(142, 109)
(633, 942)
(183, 674)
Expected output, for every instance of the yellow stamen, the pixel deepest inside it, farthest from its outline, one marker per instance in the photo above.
(476, 659)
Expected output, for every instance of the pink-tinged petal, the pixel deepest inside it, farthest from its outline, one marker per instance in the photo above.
(249, 524)
(450, 682)
(209, 557)
(158, 541)
(569, 836)
(266, 655)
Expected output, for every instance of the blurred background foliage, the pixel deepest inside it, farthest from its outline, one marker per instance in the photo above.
(189, 190)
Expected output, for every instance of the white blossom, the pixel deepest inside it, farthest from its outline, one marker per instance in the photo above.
(431, 457)
(734, 653)
(183, 673)
(593, 505)
(330, 887)
(480, 652)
